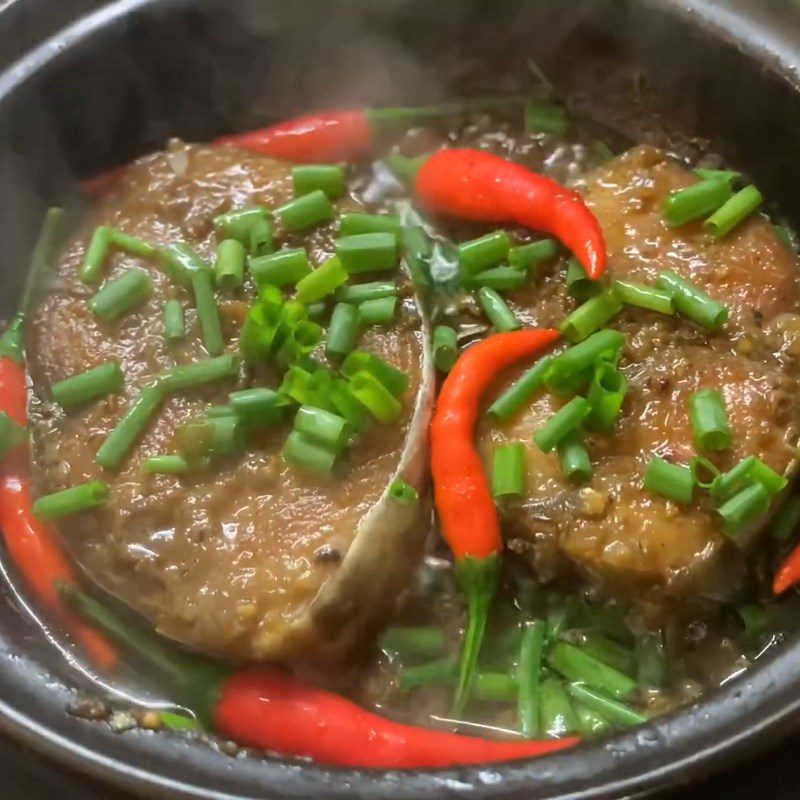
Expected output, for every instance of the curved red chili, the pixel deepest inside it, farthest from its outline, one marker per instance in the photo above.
(788, 573)
(476, 185)
(467, 513)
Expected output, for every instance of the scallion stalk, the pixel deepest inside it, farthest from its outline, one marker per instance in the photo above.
(73, 500)
(121, 294)
(695, 201)
(329, 178)
(693, 302)
(90, 385)
(229, 266)
(673, 481)
(709, 420)
(445, 348)
(500, 315)
(480, 254)
(735, 211)
(305, 212)
(520, 392)
(322, 281)
(509, 477)
(368, 252)
(564, 421)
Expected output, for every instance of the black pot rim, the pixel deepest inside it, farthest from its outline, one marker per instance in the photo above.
(744, 715)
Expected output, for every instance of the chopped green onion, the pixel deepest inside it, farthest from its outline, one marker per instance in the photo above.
(420, 642)
(546, 119)
(395, 380)
(301, 340)
(132, 245)
(362, 292)
(12, 434)
(207, 311)
(556, 716)
(592, 315)
(327, 177)
(743, 508)
(174, 326)
(651, 660)
(696, 201)
(478, 255)
(180, 261)
(306, 211)
(673, 481)
(215, 437)
(693, 302)
(520, 392)
(368, 252)
(500, 315)
(704, 472)
(72, 500)
(786, 236)
(343, 331)
(583, 357)
(189, 376)
(641, 296)
(755, 618)
(500, 278)
(614, 711)
(578, 666)
(280, 269)
(709, 420)
(604, 649)
(304, 453)
(221, 410)
(378, 312)
(579, 284)
(316, 311)
(90, 385)
(371, 393)
(606, 395)
(508, 471)
(121, 294)
(258, 406)
(445, 348)
(238, 224)
(229, 267)
(262, 239)
(734, 212)
(786, 522)
(564, 421)
(123, 436)
(576, 465)
(179, 722)
(93, 262)
(403, 493)
(323, 427)
(353, 224)
(729, 175)
(443, 670)
(405, 169)
(529, 256)
(529, 675)
(345, 403)
(167, 465)
(322, 281)
(590, 723)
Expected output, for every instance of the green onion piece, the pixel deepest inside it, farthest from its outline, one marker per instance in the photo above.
(480, 254)
(709, 420)
(509, 478)
(734, 212)
(786, 522)
(199, 373)
(238, 224)
(500, 278)
(414, 642)
(696, 201)
(584, 356)
(673, 481)
(641, 296)
(174, 326)
(529, 675)
(96, 252)
(72, 500)
(606, 394)
(344, 403)
(295, 384)
(743, 508)
(221, 411)
(367, 252)
(354, 224)
(590, 723)
(755, 618)
(323, 427)
(362, 292)
(301, 340)
(495, 687)
(576, 465)
(258, 406)
(786, 236)
(121, 294)
(591, 316)
(90, 385)
(12, 434)
(520, 393)
(604, 649)
(529, 256)
(546, 119)
(343, 331)
(378, 312)
(564, 421)
(180, 261)
(262, 239)
(371, 393)
(557, 620)
(179, 722)
(405, 169)
(579, 284)
(316, 311)
(767, 477)
(213, 438)
(304, 453)
(576, 665)
(229, 267)
(693, 302)
(167, 465)
(651, 660)
(556, 716)
(207, 311)
(403, 493)
(12, 341)
(132, 245)
(127, 431)
(322, 281)
(704, 472)
(443, 670)
(500, 315)
(614, 711)
(729, 175)
(284, 268)
(327, 177)
(395, 380)
(306, 211)
(445, 348)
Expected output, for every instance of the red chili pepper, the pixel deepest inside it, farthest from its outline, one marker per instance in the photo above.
(467, 512)
(479, 186)
(271, 710)
(103, 183)
(788, 574)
